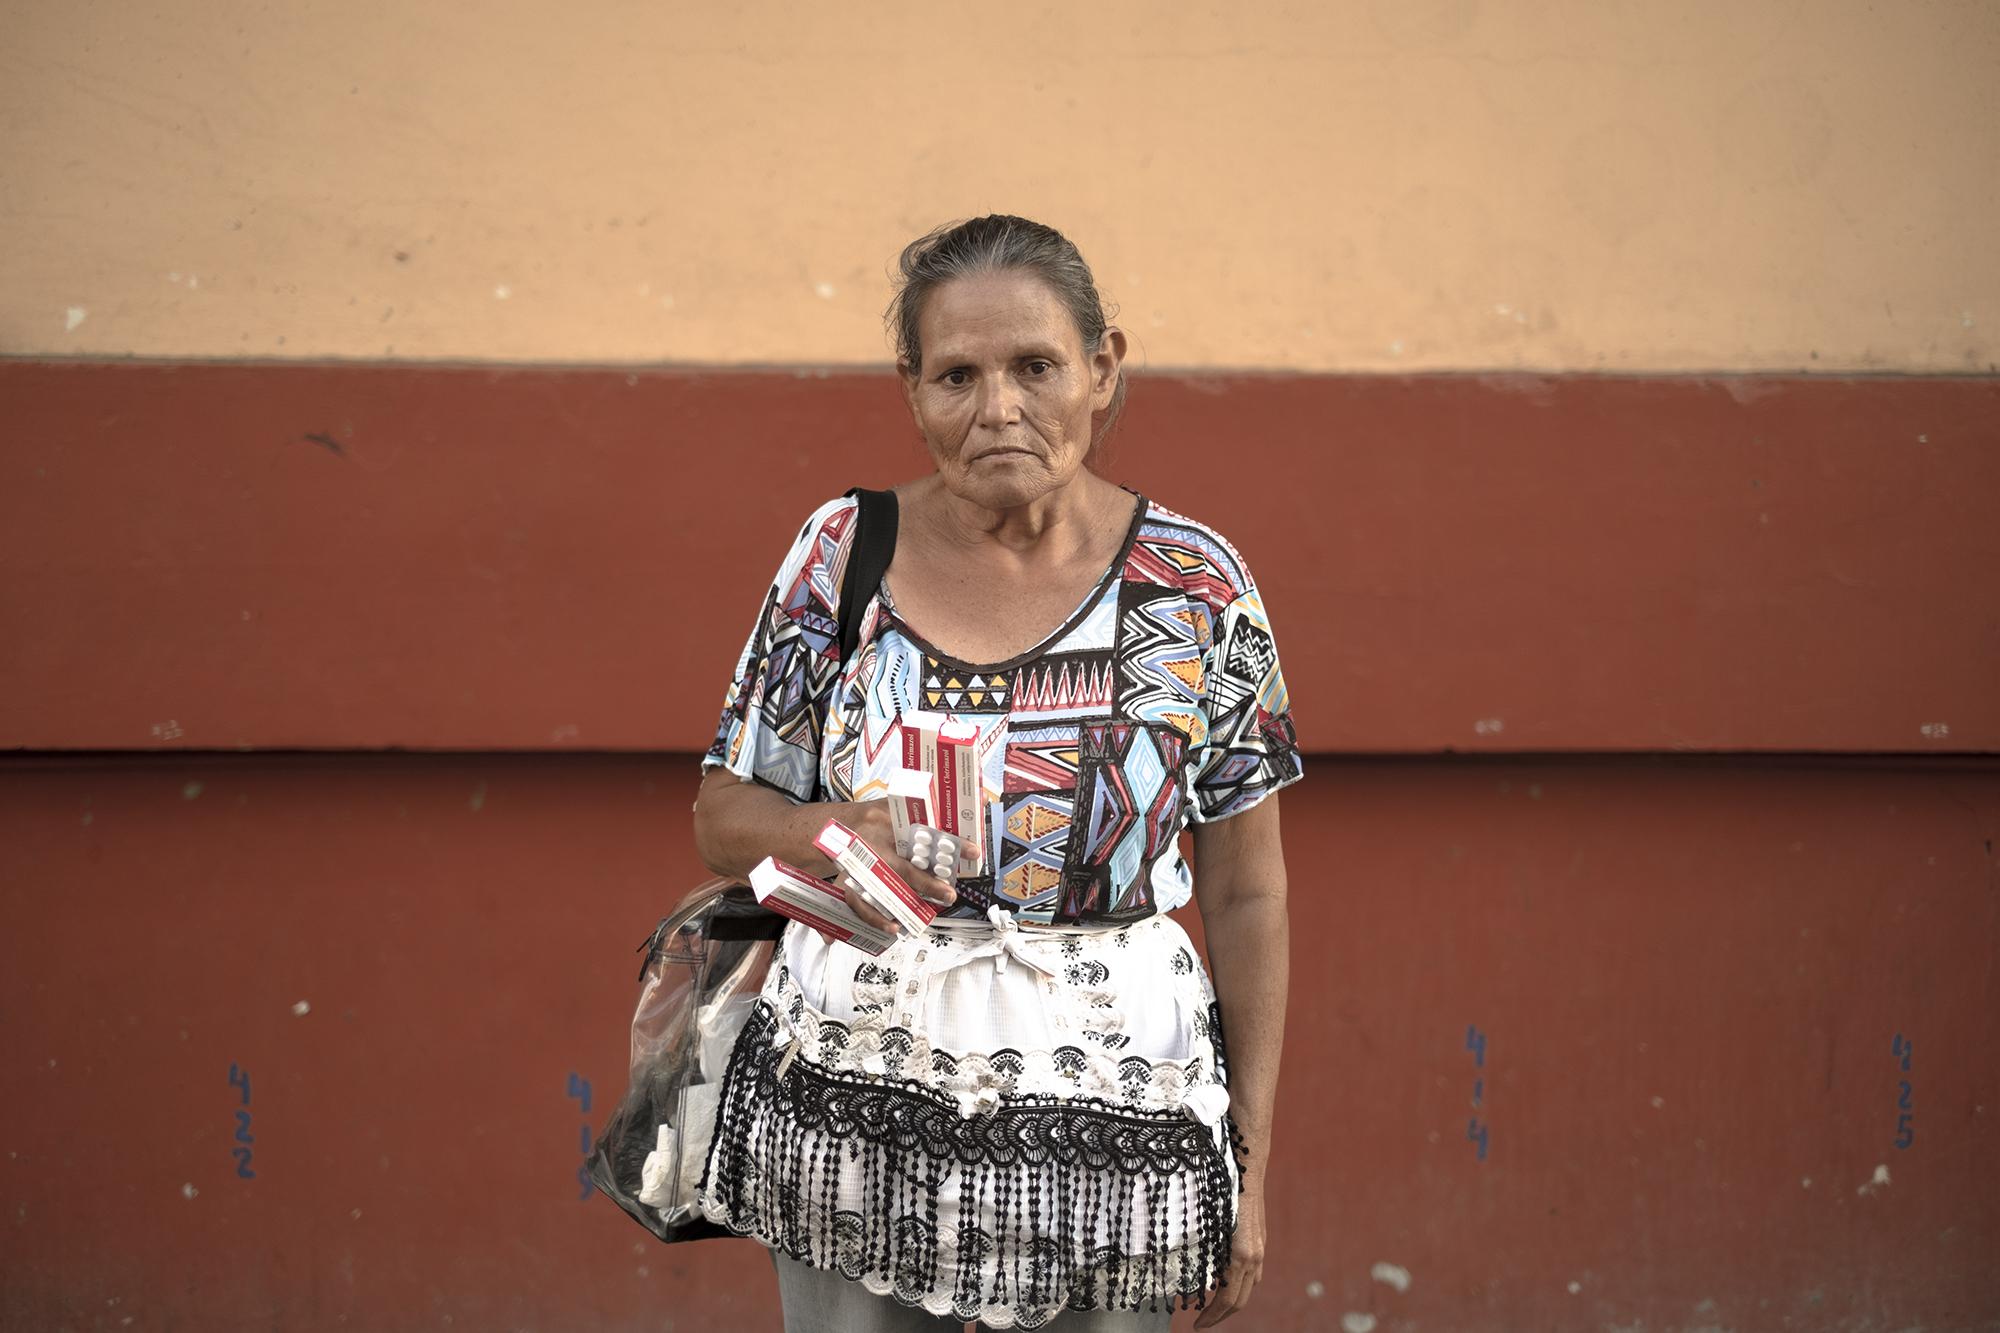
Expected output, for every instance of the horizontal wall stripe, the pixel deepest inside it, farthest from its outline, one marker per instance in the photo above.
(390, 555)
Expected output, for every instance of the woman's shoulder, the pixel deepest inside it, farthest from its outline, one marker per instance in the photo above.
(1209, 564)
(822, 539)
(832, 521)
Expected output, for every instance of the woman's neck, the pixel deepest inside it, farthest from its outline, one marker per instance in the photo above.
(1057, 523)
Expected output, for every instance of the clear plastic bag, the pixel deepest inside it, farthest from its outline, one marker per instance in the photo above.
(704, 968)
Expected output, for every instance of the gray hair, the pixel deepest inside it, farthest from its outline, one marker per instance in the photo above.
(998, 242)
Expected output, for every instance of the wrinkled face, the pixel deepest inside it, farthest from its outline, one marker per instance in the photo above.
(1007, 389)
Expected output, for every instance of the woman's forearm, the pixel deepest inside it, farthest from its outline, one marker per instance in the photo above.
(737, 824)
(1248, 950)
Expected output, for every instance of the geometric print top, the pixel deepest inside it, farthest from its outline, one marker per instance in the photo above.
(1157, 703)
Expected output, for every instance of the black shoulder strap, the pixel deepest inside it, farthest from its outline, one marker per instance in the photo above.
(867, 561)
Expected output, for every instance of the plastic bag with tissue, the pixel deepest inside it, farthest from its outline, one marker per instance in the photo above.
(704, 967)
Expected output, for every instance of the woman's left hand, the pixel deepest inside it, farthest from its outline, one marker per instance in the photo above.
(1246, 1260)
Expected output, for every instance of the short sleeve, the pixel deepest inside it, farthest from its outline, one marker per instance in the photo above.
(1251, 749)
(775, 710)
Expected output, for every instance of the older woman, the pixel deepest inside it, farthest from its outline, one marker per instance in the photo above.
(1022, 1111)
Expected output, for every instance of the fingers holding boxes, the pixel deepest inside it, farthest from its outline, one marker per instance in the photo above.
(868, 906)
(862, 870)
(791, 892)
(937, 821)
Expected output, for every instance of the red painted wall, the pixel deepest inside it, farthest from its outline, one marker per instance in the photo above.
(1689, 971)
(1689, 974)
(354, 556)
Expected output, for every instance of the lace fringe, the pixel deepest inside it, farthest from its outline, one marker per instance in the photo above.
(1097, 1206)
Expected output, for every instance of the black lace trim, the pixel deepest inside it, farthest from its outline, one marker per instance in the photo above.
(1043, 1164)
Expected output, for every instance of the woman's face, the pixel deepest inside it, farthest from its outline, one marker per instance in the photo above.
(1007, 389)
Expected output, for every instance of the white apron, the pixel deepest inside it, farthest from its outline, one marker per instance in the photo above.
(990, 1121)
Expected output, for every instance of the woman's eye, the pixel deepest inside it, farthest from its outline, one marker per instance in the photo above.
(1039, 367)
(954, 377)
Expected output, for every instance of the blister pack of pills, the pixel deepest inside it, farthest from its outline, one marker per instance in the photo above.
(935, 851)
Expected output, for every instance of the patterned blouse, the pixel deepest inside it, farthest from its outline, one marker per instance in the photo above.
(1159, 702)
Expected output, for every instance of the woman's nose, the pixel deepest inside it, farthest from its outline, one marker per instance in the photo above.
(999, 402)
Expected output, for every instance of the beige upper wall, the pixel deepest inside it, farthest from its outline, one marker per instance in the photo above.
(1388, 184)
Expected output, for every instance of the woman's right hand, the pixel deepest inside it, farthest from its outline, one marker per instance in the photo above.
(870, 822)
(738, 823)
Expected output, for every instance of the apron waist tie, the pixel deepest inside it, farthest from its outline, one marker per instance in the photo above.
(1008, 942)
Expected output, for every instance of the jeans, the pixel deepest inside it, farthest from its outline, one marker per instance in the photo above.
(819, 1300)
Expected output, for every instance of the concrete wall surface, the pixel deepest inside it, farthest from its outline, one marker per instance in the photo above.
(1352, 184)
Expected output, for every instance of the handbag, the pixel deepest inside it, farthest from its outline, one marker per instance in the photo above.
(704, 968)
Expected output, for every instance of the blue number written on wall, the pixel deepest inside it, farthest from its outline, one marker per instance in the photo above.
(239, 1079)
(1906, 1127)
(1475, 1130)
